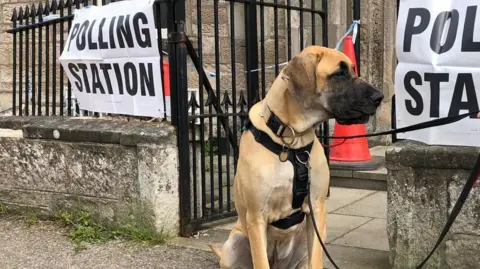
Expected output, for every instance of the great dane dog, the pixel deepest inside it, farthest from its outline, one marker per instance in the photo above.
(281, 162)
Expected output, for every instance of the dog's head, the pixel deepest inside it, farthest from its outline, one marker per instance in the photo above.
(323, 83)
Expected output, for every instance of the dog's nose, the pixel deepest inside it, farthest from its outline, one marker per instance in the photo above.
(377, 97)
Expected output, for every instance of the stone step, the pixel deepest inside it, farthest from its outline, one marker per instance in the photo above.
(369, 180)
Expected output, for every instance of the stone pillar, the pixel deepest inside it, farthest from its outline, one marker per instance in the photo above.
(424, 183)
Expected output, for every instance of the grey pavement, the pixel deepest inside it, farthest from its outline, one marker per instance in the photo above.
(356, 230)
(356, 239)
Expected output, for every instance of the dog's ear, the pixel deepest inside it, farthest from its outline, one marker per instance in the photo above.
(300, 74)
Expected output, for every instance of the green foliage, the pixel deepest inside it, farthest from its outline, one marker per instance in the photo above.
(3, 209)
(83, 229)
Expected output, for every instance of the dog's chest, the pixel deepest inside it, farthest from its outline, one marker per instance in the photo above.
(278, 187)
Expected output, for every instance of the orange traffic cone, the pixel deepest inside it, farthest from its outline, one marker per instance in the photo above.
(353, 154)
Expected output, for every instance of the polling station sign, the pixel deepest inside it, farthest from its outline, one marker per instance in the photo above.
(112, 60)
(438, 72)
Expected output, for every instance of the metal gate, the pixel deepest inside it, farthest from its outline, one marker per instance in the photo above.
(245, 45)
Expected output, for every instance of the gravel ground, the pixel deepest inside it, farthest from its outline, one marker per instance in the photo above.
(44, 245)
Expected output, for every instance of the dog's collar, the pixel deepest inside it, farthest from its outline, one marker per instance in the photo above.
(276, 125)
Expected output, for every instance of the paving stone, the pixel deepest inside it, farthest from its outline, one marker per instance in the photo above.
(356, 258)
(340, 197)
(374, 206)
(338, 225)
(379, 174)
(371, 235)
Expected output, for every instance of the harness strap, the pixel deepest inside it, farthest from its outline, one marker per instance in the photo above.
(289, 221)
(298, 158)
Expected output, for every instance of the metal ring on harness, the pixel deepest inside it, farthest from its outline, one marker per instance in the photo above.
(293, 137)
(302, 162)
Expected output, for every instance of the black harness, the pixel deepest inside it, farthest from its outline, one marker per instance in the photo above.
(299, 159)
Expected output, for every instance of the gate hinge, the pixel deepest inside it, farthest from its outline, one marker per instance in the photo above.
(177, 37)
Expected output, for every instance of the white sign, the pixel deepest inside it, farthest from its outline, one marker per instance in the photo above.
(438, 74)
(112, 60)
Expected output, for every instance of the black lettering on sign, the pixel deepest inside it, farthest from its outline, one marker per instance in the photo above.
(124, 32)
(81, 40)
(101, 43)
(91, 45)
(118, 75)
(111, 32)
(147, 41)
(73, 35)
(96, 82)
(464, 81)
(414, 93)
(468, 45)
(105, 68)
(131, 83)
(411, 29)
(435, 80)
(74, 69)
(83, 67)
(146, 79)
(437, 31)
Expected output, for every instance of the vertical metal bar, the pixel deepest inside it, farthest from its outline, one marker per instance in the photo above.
(262, 46)
(180, 79)
(27, 61)
(325, 127)
(69, 85)
(275, 31)
(193, 105)
(33, 14)
(14, 64)
(301, 25)
(54, 63)
(313, 24)
(47, 67)
(356, 16)
(252, 51)
(393, 119)
(226, 101)
(202, 107)
(62, 74)
(289, 31)
(158, 15)
(210, 151)
(40, 62)
(20, 71)
(217, 87)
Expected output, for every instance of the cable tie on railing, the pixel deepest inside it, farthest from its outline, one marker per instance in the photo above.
(353, 28)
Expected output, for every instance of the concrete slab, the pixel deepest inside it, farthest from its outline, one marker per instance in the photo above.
(11, 133)
(378, 150)
(339, 225)
(374, 206)
(379, 174)
(356, 258)
(371, 235)
(340, 197)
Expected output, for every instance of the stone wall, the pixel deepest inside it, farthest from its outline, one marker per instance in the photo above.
(424, 183)
(115, 170)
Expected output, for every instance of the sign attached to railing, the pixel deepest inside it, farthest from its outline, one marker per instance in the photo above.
(112, 60)
(438, 74)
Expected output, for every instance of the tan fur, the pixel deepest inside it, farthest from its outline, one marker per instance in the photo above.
(263, 185)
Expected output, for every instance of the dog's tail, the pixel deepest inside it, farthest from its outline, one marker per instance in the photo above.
(216, 250)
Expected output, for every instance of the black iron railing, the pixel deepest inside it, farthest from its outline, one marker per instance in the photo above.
(40, 86)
